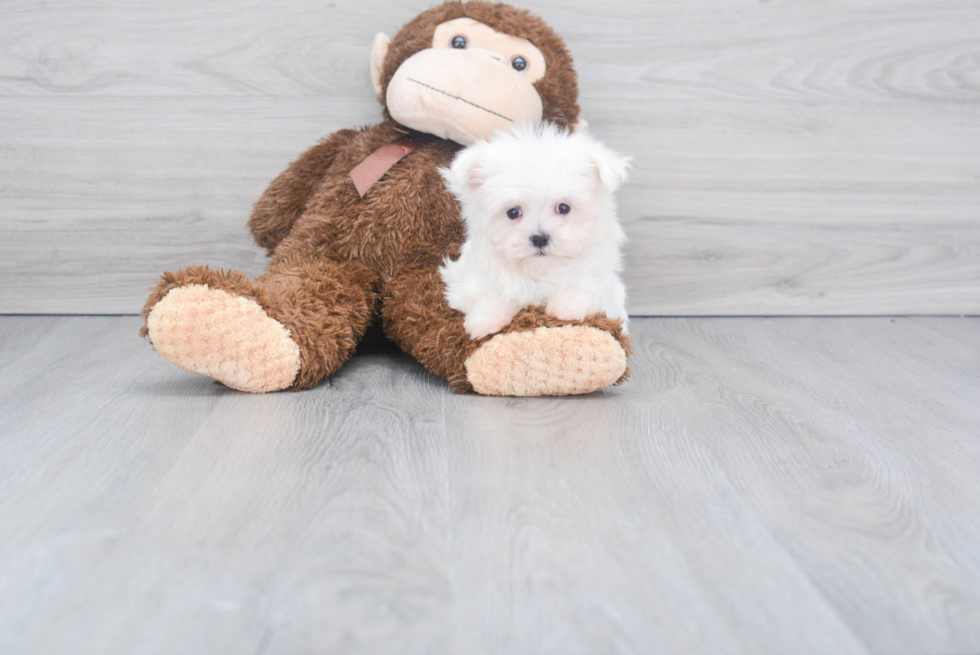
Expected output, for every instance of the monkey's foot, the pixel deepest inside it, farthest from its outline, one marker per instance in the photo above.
(547, 361)
(224, 336)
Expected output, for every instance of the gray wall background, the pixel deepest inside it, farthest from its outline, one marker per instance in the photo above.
(796, 157)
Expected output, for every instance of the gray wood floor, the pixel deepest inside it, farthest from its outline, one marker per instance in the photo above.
(784, 485)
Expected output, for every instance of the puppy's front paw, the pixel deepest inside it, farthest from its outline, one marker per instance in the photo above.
(488, 317)
(569, 306)
(477, 329)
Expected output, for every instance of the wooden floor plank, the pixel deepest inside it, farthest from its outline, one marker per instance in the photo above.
(254, 514)
(601, 526)
(759, 485)
(858, 452)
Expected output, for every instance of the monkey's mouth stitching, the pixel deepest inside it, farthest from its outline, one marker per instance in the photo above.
(489, 111)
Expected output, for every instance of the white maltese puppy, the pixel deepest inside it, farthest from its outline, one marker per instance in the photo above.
(541, 228)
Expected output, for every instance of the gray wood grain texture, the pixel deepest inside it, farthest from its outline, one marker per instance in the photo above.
(763, 485)
(790, 158)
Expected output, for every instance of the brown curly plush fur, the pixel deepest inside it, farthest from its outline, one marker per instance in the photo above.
(340, 261)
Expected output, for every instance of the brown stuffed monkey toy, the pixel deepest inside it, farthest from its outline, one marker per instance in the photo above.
(357, 227)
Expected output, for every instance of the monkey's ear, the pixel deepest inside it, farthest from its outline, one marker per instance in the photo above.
(612, 169)
(378, 52)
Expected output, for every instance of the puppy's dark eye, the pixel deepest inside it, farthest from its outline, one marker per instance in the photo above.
(563, 208)
(514, 212)
(518, 63)
(459, 42)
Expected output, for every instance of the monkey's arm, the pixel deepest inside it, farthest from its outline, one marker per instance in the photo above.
(285, 199)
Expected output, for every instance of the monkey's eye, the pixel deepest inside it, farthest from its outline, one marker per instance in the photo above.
(518, 63)
(562, 208)
(459, 42)
(514, 213)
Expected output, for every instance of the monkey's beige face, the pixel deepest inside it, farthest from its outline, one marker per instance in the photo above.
(472, 82)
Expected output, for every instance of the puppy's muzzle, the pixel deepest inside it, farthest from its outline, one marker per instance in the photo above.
(539, 241)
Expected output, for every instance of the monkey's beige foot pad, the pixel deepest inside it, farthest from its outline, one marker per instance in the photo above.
(557, 361)
(229, 338)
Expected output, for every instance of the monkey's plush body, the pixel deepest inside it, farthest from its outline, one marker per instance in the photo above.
(340, 261)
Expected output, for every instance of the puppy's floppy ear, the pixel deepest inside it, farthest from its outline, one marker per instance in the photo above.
(466, 174)
(612, 168)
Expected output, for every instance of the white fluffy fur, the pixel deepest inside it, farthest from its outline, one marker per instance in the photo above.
(499, 270)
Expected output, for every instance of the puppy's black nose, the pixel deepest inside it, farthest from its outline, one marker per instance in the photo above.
(539, 241)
